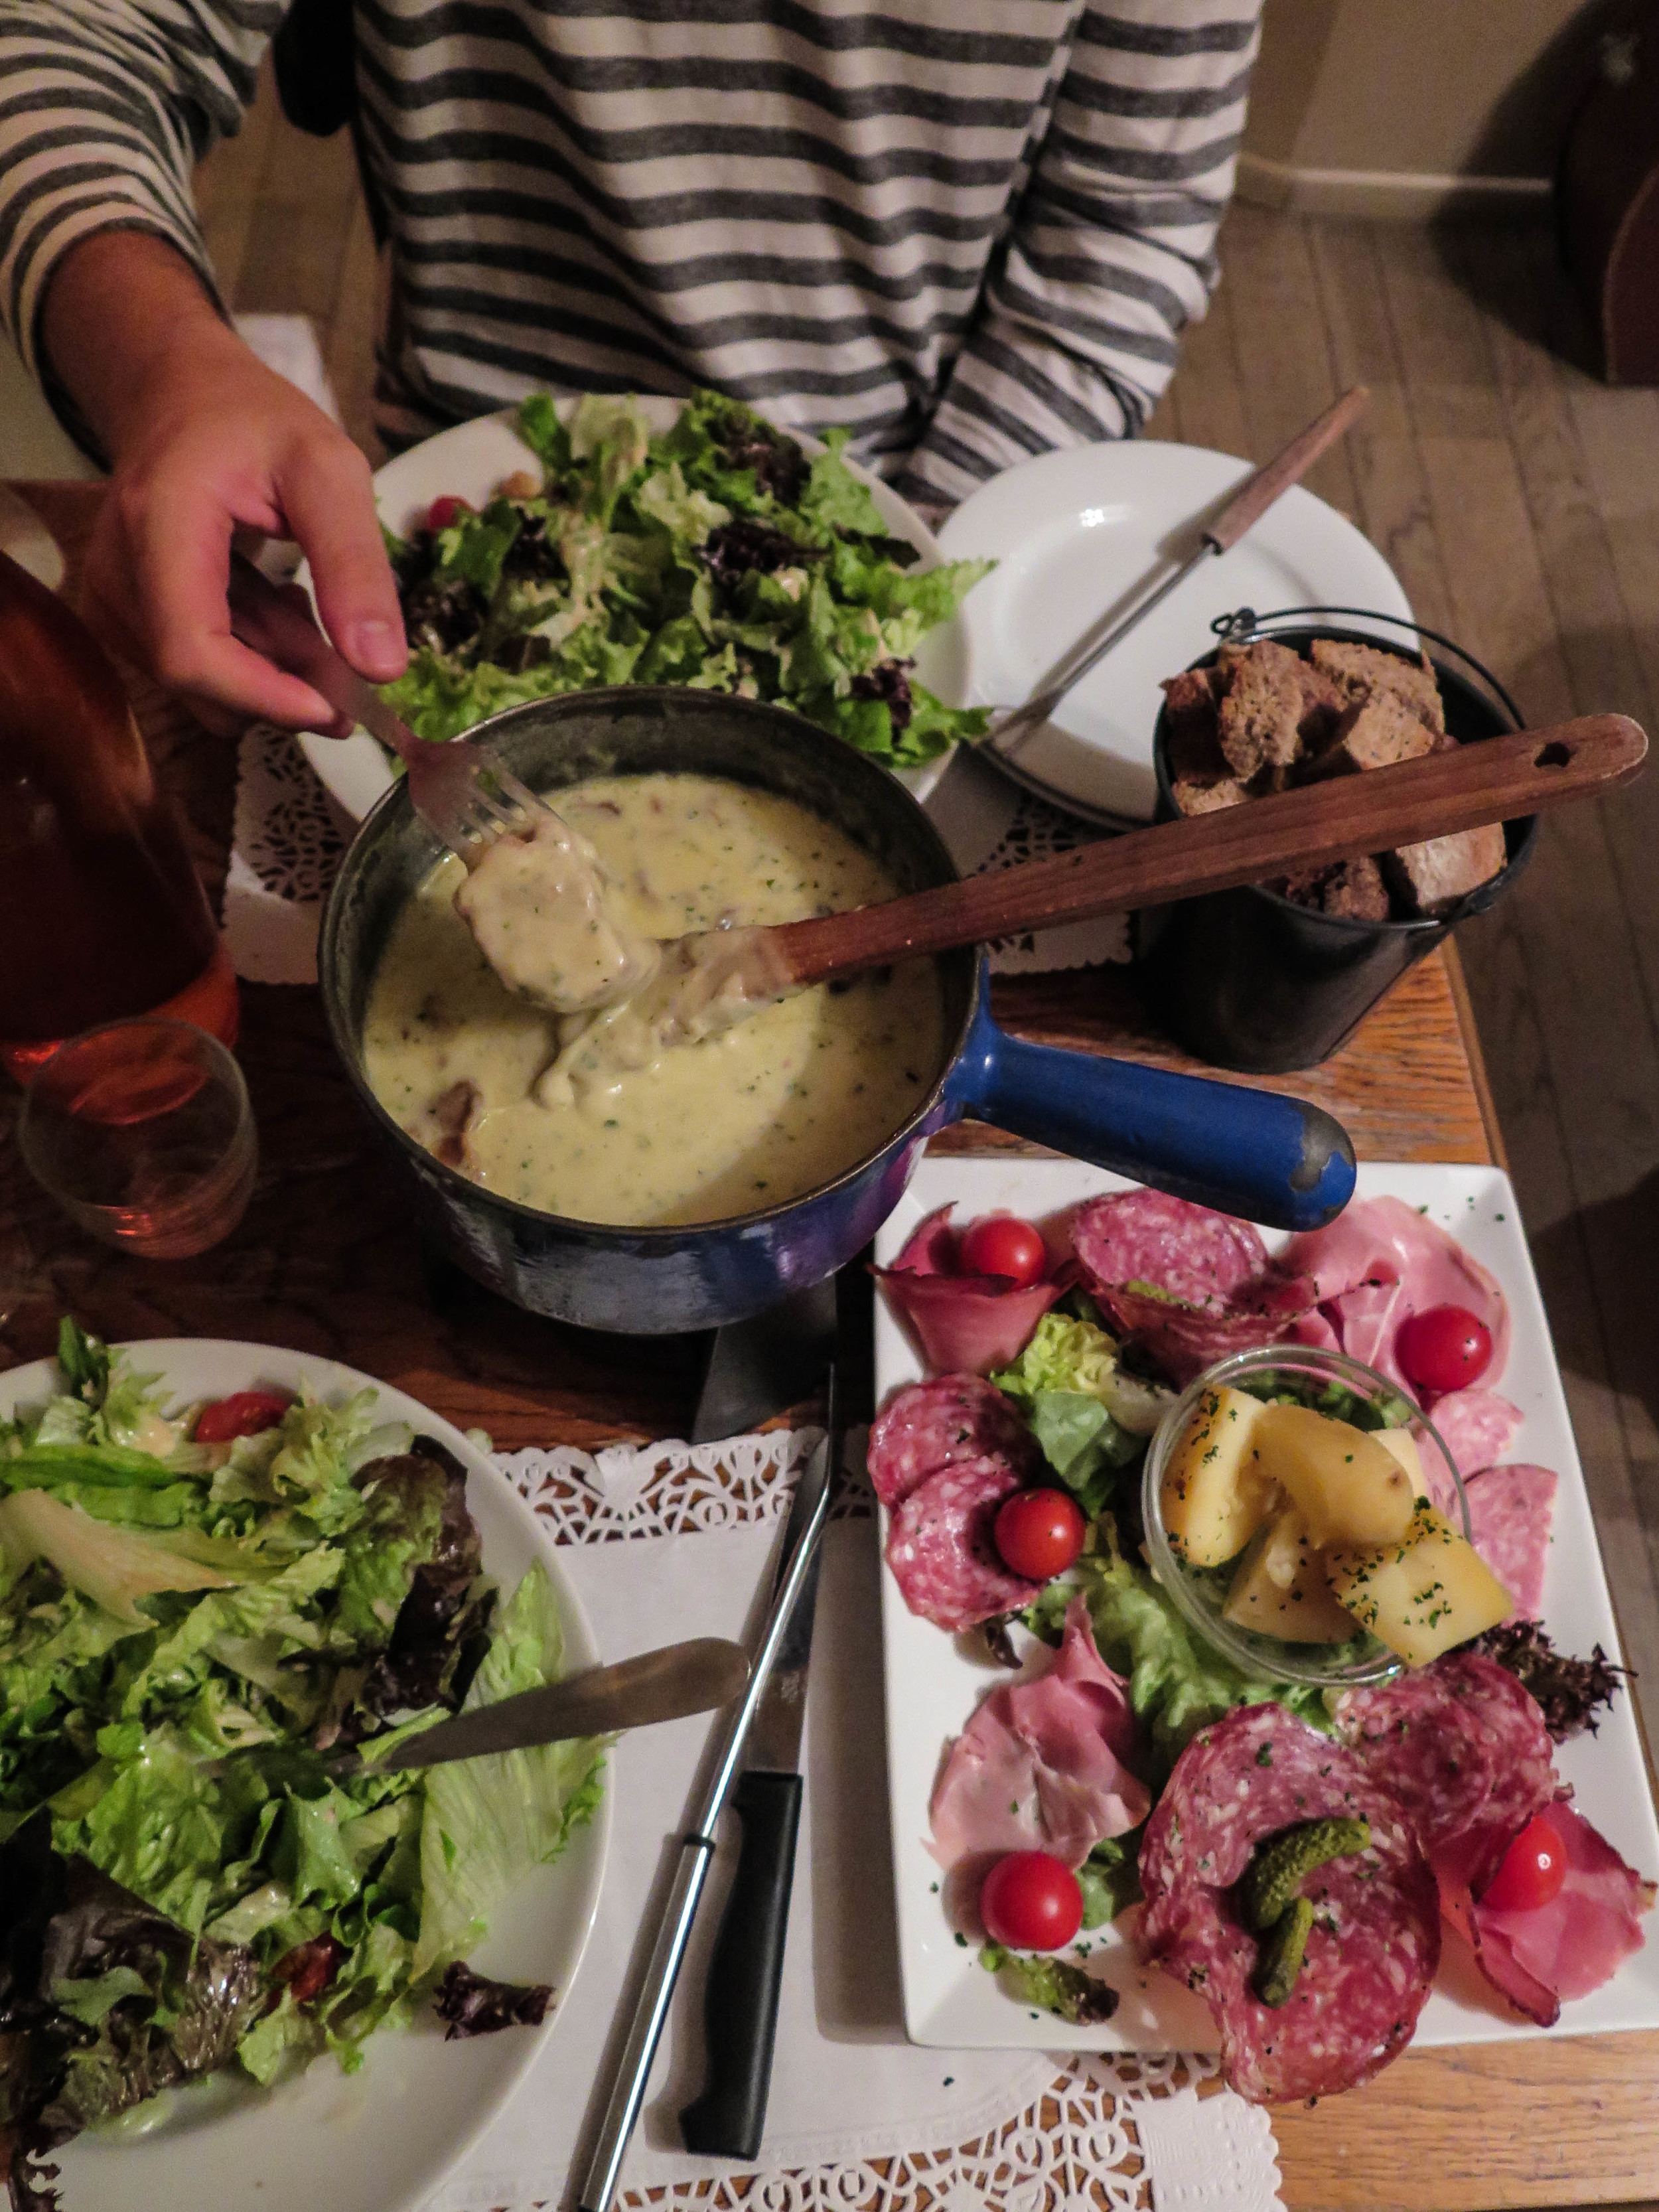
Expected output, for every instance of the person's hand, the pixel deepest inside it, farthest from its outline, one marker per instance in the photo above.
(205, 443)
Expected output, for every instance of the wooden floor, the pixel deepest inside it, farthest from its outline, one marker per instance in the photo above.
(1518, 499)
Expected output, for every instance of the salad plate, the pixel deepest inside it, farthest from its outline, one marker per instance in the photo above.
(934, 1680)
(382, 2138)
(468, 461)
(1076, 535)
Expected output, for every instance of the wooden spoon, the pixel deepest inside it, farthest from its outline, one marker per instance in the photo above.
(1493, 780)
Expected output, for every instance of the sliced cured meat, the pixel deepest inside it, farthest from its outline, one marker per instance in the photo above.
(1181, 1340)
(963, 1323)
(1366, 1320)
(1510, 1508)
(1575, 1943)
(1476, 1426)
(1377, 1241)
(1192, 1253)
(1375, 1944)
(1465, 1750)
(932, 1424)
(1041, 1767)
(941, 1549)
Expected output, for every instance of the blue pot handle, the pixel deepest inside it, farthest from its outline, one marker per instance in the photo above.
(1267, 1158)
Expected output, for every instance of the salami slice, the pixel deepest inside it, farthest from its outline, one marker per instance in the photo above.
(1147, 1236)
(1180, 1340)
(1510, 1508)
(940, 1546)
(932, 1424)
(1476, 1426)
(1375, 1943)
(1464, 1749)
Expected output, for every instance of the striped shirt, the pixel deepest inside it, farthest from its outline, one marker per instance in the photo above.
(969, 230)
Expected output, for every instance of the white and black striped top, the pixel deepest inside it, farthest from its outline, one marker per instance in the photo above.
(969, 229)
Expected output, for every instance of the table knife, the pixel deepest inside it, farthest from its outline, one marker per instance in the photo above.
(693, 1677)
(746, 1971)
(627, 2092)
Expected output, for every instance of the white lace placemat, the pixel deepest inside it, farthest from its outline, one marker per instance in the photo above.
(289, 837)
(676, 1539)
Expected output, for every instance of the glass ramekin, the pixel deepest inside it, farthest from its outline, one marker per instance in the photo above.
(1268, 1656)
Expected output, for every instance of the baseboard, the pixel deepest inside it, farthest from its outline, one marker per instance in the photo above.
(1385, 193)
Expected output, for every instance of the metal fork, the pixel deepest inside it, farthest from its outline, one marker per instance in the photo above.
(462, 790)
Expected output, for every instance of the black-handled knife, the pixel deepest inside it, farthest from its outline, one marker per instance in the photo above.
(746, 1973)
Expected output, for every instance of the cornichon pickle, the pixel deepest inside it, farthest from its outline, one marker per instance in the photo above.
(1277, 1872)
(1279, 1960)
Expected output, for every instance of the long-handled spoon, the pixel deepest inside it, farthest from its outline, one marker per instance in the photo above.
(1495, 780)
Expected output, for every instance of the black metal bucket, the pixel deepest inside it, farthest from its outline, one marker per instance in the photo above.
(1247, 979)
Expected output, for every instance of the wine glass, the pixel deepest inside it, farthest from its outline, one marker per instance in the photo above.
(141, 1131)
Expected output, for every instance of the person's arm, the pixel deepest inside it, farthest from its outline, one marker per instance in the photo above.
(105, 287)
(1112, 247)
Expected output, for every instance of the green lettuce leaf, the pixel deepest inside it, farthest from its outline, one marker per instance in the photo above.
(488, 1821)
(1177, 1683)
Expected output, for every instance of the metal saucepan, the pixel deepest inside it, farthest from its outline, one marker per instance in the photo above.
(1272, 1159)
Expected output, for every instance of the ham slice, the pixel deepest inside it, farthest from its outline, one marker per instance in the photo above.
(1510, 1508)
(1574, 1944)
(1406, 1264)
(1041, 1765)
(964, 1324)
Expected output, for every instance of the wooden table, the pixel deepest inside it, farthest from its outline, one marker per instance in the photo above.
(327, 1262)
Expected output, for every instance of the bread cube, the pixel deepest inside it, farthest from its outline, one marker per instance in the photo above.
(1280, 1589)
(1214, 1497)
(1350, 1488)
(1421, 1596)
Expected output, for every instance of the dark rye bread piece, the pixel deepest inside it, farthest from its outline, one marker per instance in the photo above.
(1260, 711)
(1192, 795)
(1375, 732)
(1356, 671)
(1353, 889)
(1427, 877)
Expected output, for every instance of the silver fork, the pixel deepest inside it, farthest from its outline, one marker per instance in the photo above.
(462, 790)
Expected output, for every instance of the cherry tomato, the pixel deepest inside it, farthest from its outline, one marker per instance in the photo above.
(1535, 1867)
(442, 511)
(243, 1413)
(1040, 1532)
(1444, 1348)
(1030, 1902)
(1001, 1244)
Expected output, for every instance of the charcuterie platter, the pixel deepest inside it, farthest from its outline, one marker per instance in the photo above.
(1161, 1763)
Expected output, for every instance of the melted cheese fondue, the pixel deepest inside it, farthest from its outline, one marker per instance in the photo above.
(740, 1119)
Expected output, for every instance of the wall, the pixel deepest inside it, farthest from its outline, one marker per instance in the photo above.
(1414, 107)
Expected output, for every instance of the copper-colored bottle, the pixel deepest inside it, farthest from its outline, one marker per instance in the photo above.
(101, 914)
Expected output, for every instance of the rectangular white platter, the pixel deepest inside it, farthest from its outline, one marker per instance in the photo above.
(933, 1684)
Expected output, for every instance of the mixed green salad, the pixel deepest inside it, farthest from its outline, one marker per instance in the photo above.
(715, 554)
(196, 1609)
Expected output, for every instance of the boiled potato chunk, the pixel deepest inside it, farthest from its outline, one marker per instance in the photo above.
(1280, 1589)
(1403, 1445)
(1350, 1488)
(1214, 1496)
(1421, 1596)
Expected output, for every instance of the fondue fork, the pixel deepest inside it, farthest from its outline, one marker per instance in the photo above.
(1494, 779)
(462, 790)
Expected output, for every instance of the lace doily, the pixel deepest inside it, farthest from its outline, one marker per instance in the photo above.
(287, 841)
(1110, 2132)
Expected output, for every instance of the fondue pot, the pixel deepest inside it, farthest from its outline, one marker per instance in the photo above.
(1249, 1153)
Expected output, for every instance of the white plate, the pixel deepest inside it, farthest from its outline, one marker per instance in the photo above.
(932, 1688)
(382, 2139)
(1076, 537)
(469, 462)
